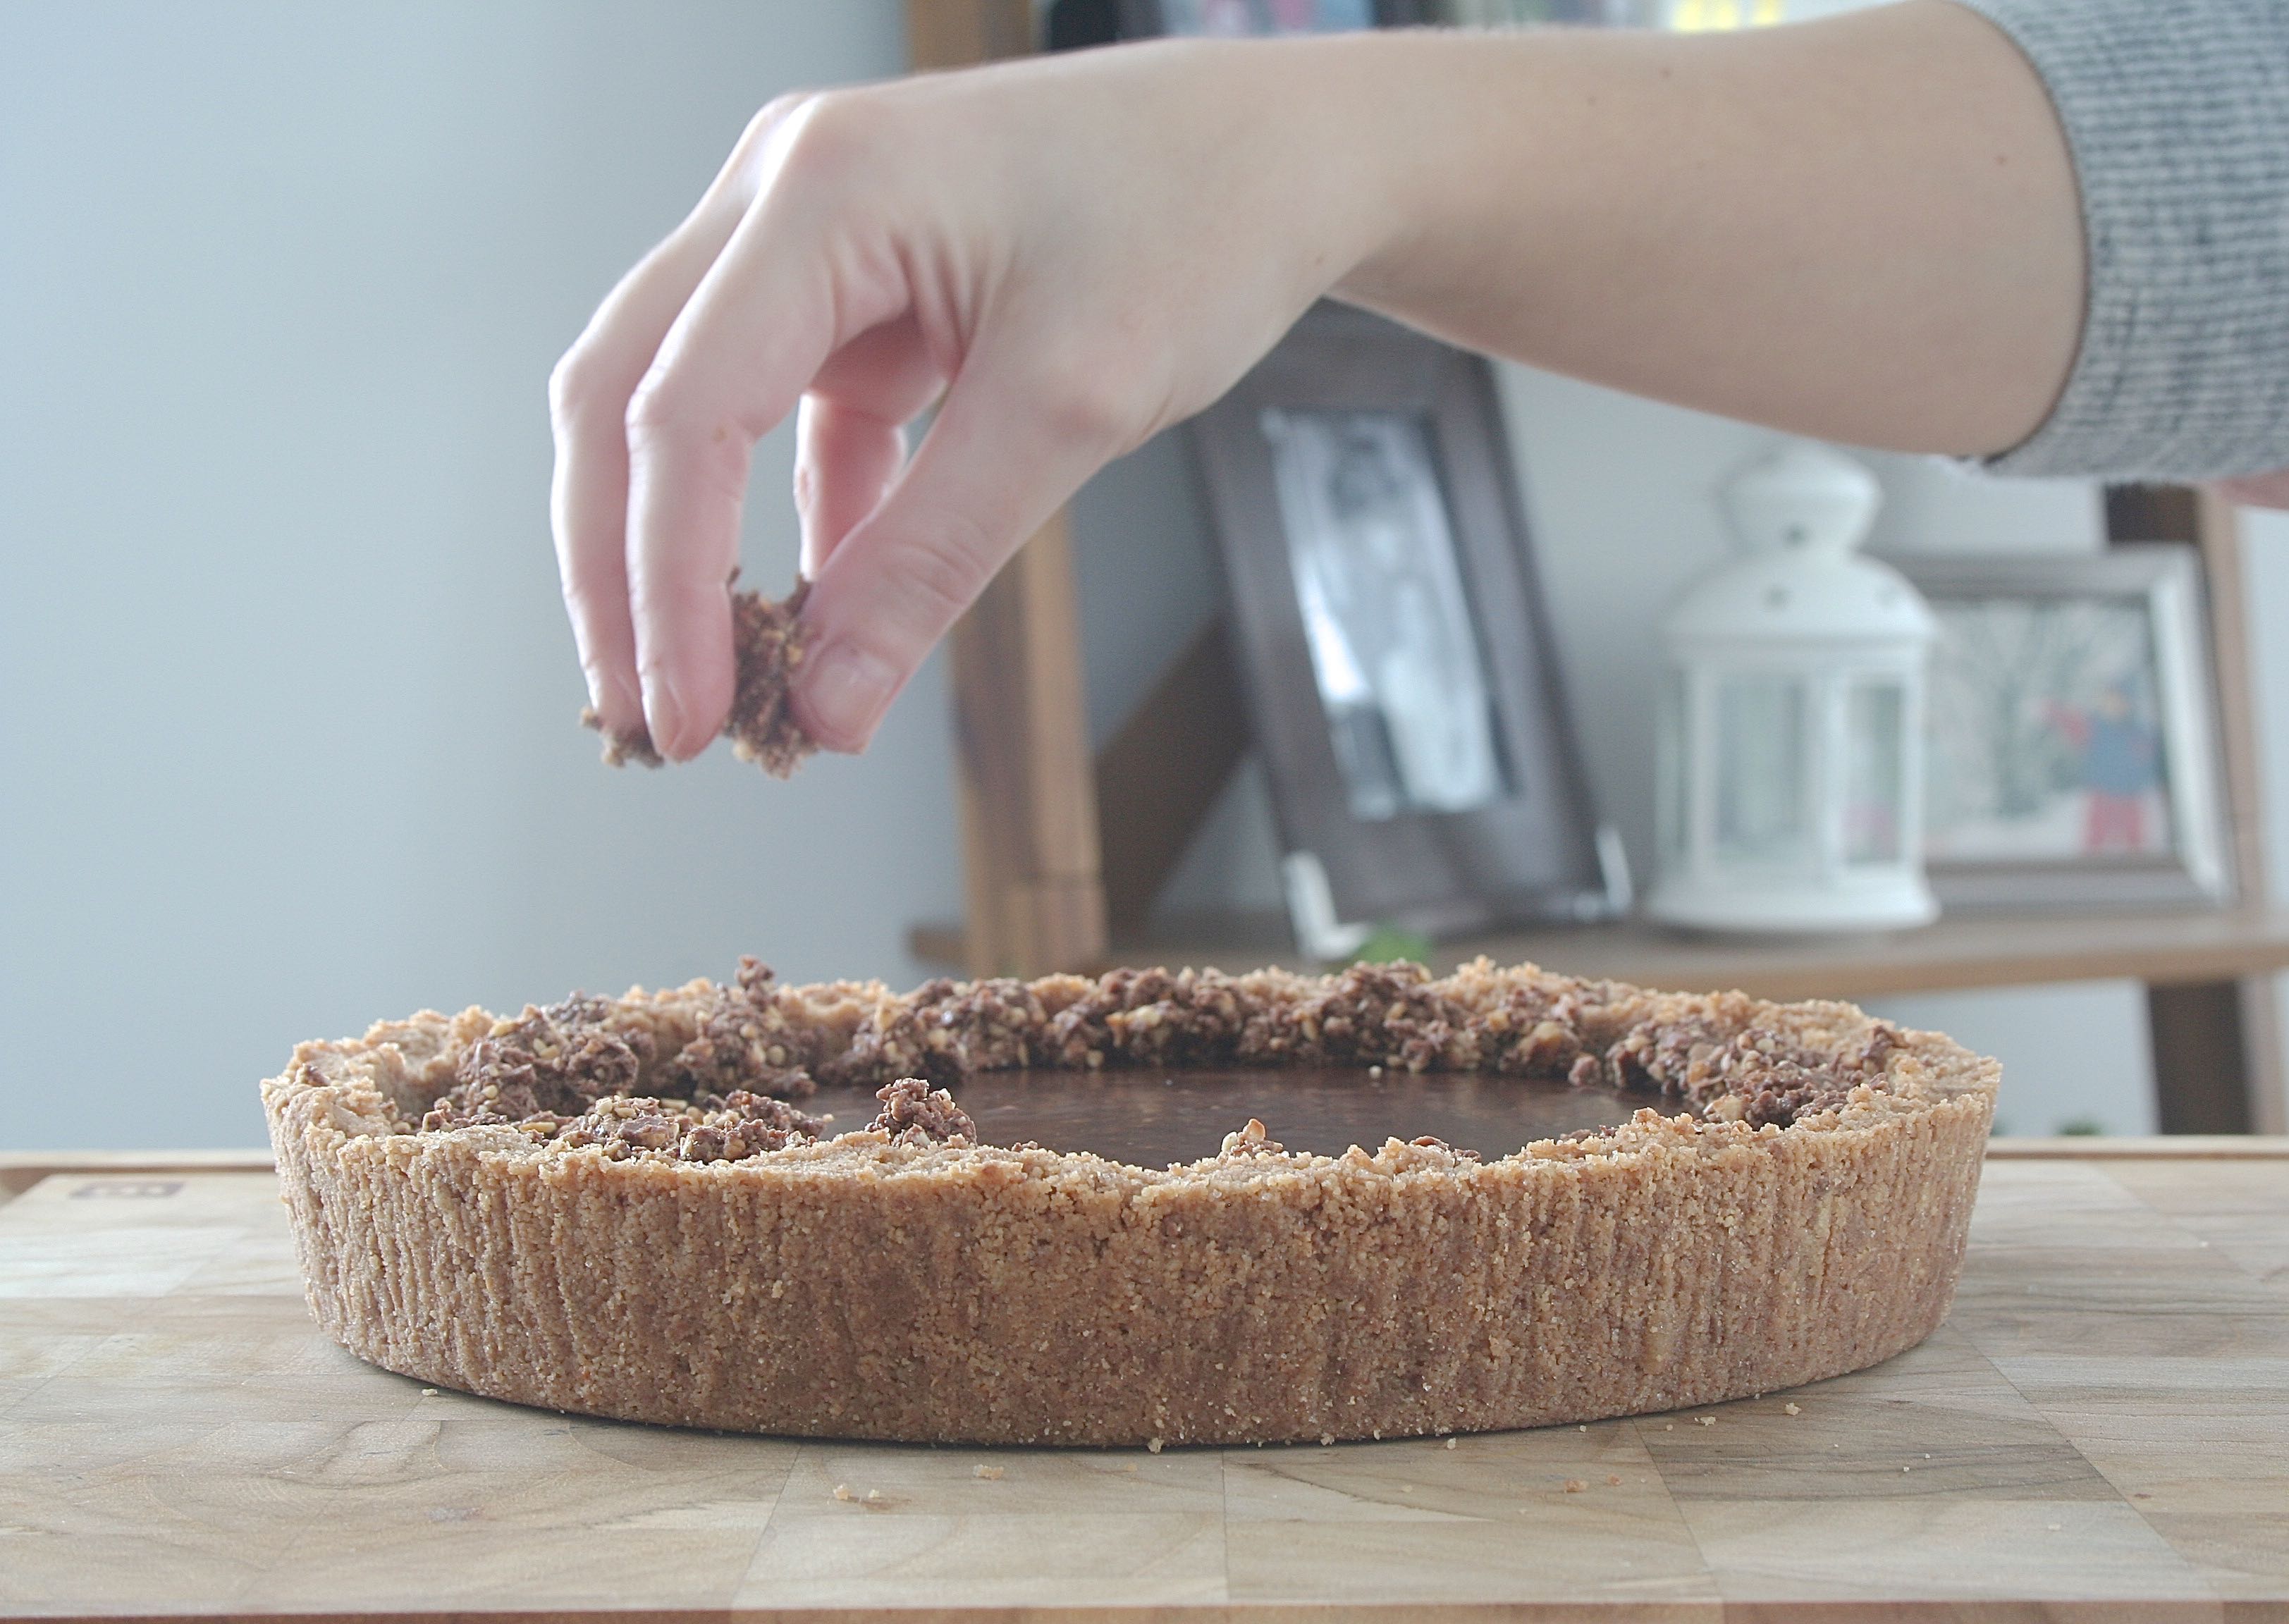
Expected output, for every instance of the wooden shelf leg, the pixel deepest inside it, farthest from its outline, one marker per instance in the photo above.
(1021, 714)
(2216, 1055)
(1028, 795)
(2218, 1064)
(2268, 1081)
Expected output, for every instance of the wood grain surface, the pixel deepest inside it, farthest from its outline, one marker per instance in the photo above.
(2101, 1431)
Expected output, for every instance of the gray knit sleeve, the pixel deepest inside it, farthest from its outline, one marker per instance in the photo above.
(2177, 113)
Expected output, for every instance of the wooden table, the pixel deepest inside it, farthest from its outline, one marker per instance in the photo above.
(2101, 1431)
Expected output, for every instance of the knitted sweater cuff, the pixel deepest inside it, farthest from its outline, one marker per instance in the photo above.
(2177, 116)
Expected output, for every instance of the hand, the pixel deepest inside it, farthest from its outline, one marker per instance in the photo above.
(1066, 255)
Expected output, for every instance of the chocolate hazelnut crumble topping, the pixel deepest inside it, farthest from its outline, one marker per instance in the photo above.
(750, 1038)
(726, 1130)
(767, 643)
(914, 1113)
(585, 1070)
(556, 1061)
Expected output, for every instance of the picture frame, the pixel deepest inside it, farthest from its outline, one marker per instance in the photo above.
(1257, 19)
(1078, 24)
(1394, 656)
(2072, 742)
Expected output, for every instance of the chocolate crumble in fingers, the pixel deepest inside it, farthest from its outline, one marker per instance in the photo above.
(770, 639)
(622, 748)
(768, 642)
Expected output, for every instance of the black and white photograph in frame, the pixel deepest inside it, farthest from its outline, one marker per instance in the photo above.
(1391, 644)
(1243, 18)
(2073, 755)
(1399, 669)
(1260, 19)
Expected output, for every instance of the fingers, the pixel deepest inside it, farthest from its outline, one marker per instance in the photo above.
(845, 460)
(849, 433)
(589, 401)
(731, 366)
(988, 475)
(588, 502)
(797, 280)
(588, 496)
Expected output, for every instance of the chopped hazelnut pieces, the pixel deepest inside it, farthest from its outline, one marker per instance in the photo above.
(1253, 1140)
(560, 1073)
(914, 1113)
(768, 642)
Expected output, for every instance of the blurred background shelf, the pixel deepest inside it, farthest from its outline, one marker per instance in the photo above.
(2203, 974)
(1971, 950)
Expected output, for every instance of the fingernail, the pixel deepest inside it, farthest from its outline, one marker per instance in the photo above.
(613, 695)
(663, 713)
(629, 696)
(847, 690)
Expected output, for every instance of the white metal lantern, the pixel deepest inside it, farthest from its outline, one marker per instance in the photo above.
(1791, 744)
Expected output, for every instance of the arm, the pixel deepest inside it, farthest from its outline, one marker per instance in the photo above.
(1865, 229)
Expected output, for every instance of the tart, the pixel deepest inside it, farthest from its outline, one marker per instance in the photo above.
(636, 1207)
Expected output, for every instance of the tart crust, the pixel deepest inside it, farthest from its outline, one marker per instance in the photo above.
(911, 1288)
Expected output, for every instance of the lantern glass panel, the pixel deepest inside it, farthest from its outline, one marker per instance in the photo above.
(1673, 768)
(1875, 752)
(1761, 751)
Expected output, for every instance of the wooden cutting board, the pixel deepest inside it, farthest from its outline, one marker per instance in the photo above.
(2101, 1431)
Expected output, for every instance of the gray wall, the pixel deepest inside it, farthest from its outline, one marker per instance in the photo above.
(290, 745)
(289, 742)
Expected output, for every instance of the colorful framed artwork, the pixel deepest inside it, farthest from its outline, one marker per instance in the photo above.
(2073, 744)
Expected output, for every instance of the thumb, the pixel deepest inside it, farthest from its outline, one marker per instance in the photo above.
(994, 466)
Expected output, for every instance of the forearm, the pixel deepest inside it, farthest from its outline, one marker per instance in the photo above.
(1865, 229)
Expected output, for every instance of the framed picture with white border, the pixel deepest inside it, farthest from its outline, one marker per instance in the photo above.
(2074, 756)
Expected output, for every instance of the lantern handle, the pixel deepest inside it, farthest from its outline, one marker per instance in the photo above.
(1803, 498)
